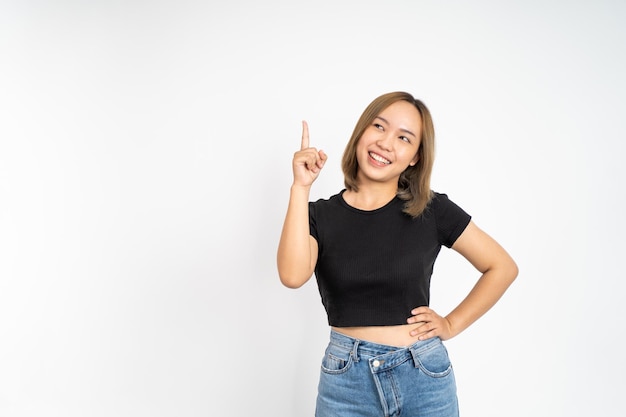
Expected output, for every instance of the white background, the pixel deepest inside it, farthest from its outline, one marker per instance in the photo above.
(145, 164)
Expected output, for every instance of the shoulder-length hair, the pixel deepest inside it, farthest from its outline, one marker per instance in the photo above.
(414, 182)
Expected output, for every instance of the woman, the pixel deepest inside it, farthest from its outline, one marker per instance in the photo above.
(372, 248)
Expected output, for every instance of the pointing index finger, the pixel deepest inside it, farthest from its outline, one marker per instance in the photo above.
(305, 135)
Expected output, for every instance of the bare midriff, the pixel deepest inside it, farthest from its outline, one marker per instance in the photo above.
(385, 335)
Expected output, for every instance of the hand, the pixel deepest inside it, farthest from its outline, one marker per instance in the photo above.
(429, 324)
(307, 162)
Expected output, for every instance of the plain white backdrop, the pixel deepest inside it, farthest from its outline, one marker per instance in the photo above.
(145, 165)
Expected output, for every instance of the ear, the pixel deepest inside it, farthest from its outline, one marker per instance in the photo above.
(415, 159)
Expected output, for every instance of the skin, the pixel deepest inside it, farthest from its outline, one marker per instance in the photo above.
(384, 151)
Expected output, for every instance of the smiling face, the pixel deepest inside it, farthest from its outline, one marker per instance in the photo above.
(389, 144)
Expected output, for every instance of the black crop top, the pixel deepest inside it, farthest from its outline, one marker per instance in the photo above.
(374, 267)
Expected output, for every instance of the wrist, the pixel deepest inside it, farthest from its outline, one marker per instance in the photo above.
(452, 330)
(299, 189)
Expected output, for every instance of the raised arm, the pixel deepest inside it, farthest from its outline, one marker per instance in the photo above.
(297, 250)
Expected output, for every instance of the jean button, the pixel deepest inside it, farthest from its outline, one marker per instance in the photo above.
(376, 363)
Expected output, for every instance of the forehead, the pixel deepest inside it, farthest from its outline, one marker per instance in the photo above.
(402, 113)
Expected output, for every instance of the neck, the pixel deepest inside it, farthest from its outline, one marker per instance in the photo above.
(370, 196)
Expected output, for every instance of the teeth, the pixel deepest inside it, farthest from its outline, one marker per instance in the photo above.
(379, 158)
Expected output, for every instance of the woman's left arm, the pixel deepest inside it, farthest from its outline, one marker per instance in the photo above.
(498, 272)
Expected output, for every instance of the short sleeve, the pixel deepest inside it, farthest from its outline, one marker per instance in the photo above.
(451, 219)
(313, 221)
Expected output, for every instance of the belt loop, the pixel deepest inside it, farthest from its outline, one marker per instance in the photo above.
(355, 353)
(416, 361)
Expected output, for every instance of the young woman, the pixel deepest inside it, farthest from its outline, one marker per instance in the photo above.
(372, 247)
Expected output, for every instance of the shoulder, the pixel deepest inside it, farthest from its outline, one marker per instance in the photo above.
(451, 219)
(328, 199)
(323, 206)
(437, 196)
(326, 202)
(441, 201)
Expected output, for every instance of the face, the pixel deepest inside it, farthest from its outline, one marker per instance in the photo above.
(390, 144)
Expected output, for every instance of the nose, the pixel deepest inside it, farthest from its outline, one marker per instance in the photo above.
(385, 142)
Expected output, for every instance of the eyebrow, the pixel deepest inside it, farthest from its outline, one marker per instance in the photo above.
(404, 130)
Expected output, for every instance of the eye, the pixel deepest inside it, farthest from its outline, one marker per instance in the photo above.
(404, 138)
(378, 126)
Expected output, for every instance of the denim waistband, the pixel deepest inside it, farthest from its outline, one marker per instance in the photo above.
(389, 354)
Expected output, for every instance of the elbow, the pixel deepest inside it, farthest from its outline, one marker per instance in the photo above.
(293, 279)
(505, 270)
(289, 283)
(293, 274)
(512, 270)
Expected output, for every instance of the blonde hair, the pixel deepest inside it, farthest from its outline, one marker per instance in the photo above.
(414, 182)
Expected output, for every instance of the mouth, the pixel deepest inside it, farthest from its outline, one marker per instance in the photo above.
(379, 158)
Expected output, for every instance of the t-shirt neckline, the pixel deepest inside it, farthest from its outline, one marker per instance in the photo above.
(384, 207)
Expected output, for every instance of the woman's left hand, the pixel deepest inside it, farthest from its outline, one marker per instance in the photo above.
(429, 324)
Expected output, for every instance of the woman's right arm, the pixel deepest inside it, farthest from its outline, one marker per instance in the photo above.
(297, 250)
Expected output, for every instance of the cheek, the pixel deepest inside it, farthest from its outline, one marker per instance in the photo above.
(361, 147)
(417, 155)
(409, 155)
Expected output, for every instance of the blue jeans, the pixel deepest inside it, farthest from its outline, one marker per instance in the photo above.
(366, 379)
